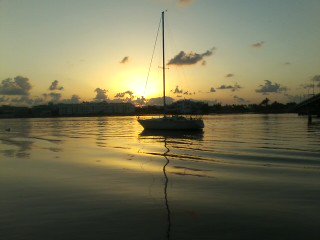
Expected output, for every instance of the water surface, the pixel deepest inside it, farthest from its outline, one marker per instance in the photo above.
(243, 177)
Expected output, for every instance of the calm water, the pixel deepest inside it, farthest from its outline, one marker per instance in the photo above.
(244, 177)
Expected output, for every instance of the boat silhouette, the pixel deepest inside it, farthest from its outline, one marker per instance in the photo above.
(169, 122)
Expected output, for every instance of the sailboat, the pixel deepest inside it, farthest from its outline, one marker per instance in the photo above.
(169, 122)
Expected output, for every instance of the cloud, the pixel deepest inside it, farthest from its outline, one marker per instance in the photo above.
(185, 3)
(73, 100)
(159, 101)
(204, 63)
(187, 93)
(191, 58)
(140, 101)
(287, 63)
(236, 87)
(27, 101)
(223, 87)
(240, 100)
(229, 75)
(212, 90)
(101, 95)
(123, 94)
(17, 86)
(55, 86)
(269, 87)
(258, 44)
(233, 88)
(55, 97)
(124, 60)
(177, 90)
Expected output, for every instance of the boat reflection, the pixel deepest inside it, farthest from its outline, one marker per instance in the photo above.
(191, 135)
(166, 189)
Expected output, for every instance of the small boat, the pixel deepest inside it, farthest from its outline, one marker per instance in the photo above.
(169, 122)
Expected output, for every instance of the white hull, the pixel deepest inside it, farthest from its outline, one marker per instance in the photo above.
(171, 124)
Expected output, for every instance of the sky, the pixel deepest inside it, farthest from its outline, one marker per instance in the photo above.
(227, 51)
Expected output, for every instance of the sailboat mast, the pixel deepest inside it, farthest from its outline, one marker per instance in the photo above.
(163, 68)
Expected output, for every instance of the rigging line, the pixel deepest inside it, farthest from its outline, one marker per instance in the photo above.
(154, 48)
(170, 34)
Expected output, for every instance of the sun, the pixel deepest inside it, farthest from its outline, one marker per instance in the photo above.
(138, 85)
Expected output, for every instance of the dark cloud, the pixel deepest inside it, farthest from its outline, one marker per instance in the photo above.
(258, 44)
(177, 90)
(123, 94)
(17, 86)
(240, 100)
(287, 63)
(124, 60)
(159, 101)
(212, 90)
(101, 95)
(204, 63)
(233, 88)
(269, 87)
(191, 58)
(229, 75)
(55, 86)
(187, 93)
(223, 87)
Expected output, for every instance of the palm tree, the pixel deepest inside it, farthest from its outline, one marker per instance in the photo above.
(265, 102)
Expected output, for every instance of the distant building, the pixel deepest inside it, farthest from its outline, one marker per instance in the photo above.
(11, 111)
(189, 107)
(91, 108)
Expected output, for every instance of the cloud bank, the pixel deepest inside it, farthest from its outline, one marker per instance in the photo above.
(233, 88)
(190, 58)
(123, 94)
(17, 86)
(269, 87)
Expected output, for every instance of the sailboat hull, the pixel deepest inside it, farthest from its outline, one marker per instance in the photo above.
(171, 124)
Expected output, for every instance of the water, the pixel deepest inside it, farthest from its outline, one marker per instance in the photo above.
(244, 177)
